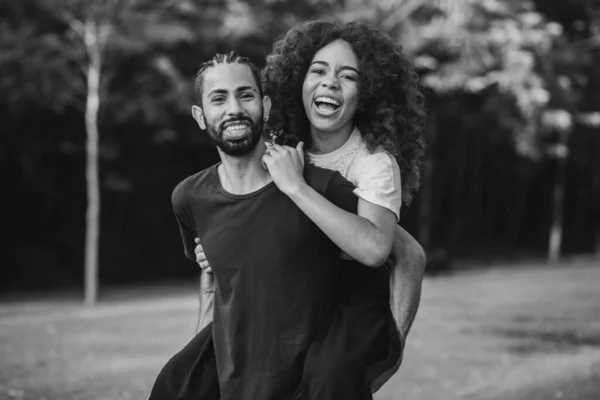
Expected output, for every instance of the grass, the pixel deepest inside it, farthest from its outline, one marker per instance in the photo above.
(501, 333)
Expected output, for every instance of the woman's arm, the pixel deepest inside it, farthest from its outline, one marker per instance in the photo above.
(366, 237)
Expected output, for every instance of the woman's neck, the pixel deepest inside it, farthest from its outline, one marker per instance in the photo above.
(326, 142)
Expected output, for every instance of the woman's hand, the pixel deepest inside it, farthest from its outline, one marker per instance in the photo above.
(201, 257)
(286, 166)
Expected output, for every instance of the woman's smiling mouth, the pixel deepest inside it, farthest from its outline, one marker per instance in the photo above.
(326, 106)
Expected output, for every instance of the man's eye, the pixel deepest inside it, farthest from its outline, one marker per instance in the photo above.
(247, 96)
(218, 99)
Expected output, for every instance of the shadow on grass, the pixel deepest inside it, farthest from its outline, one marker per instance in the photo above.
(531, 341)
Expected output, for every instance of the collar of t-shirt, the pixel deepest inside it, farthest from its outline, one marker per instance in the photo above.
(328, 158)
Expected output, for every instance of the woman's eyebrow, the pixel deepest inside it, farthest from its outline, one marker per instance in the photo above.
(327, 65)
(350, 68)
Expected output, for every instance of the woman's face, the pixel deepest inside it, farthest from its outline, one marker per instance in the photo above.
(331, 88)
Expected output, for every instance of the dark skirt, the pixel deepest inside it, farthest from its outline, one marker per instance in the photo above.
(361, 342)
(190, 374)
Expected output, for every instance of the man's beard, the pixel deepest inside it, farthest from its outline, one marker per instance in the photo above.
(237, 147)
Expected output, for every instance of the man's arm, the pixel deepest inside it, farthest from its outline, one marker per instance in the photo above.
(207, 299)
(189, 238)
(406, 277)
(207, 287)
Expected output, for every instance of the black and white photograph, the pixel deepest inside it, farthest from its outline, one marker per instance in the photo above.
(300, 199)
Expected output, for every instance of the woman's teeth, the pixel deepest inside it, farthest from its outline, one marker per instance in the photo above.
(326, 107)
(327, 104)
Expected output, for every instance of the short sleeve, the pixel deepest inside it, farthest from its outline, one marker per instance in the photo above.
(184, 220)
(340, 192)
(378, 182)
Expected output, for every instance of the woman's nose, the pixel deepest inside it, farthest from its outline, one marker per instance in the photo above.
(330, 82)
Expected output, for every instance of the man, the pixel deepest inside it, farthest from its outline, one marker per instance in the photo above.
(274, 269)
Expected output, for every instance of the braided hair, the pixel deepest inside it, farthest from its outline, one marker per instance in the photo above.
(230, 58)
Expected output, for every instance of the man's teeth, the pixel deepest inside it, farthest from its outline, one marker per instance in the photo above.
(237, 127)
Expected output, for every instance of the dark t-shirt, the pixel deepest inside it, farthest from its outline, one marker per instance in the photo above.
(274, 272)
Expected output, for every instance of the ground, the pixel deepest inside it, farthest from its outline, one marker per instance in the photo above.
(526, 332)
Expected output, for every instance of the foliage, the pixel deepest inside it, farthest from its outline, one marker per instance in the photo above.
(505, 78)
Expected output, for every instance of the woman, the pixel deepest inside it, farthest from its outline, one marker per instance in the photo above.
(360, 108)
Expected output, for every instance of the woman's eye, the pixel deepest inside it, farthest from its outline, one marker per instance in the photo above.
(348, 77)
(318, 71)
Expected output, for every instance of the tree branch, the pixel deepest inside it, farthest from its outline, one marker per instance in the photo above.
(401, 13)
(75, 24)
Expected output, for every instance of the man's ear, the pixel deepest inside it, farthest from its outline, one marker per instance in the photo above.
(198, 115)
(266, 107)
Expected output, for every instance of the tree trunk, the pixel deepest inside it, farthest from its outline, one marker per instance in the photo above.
(596, 207)
(425, 206)
(597, 242)
(556, 230)
(519, 203)
(92, 232)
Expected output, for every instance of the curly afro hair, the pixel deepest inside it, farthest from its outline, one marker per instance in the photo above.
(391, 111)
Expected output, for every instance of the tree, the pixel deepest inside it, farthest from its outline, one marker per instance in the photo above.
(469, 47)
(78, 43)
(503, 48)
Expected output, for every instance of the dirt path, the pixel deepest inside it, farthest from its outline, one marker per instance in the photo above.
(526, 333)
(505, 334)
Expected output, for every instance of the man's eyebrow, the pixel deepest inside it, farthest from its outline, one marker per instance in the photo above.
(327, 65)
(238, 90)
(244, 88)
(217, 91)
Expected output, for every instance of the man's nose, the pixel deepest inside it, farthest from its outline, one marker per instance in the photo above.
(234, 106)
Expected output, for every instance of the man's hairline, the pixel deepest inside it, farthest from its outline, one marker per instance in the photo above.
(259, 89)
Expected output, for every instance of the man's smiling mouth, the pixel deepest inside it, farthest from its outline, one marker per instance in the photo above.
(236, 129)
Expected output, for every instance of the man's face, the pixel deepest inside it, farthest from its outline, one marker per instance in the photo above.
(232, 110)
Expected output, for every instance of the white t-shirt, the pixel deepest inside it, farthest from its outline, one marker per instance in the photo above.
(376, 175)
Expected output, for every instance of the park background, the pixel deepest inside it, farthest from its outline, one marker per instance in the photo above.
(95, 100)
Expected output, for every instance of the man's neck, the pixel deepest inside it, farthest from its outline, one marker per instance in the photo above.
(243, 174)
(326, 142)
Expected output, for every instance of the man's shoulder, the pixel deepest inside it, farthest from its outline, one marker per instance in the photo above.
(332, 185)
(321, 178)
(194, 183)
